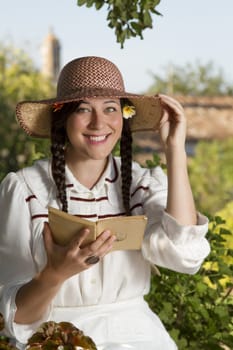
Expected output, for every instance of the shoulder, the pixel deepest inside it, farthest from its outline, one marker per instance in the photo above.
(10, 183)
(35, 180)
(144, 175)
(145, 180)
(148, 176)
(12, 190)
(38, 180)
(36, 174)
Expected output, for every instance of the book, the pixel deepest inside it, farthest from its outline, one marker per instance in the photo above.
(129, 230)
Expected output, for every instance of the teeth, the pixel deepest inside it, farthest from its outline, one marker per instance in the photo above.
(98, 138)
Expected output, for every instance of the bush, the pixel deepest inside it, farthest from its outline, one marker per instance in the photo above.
(197, 310)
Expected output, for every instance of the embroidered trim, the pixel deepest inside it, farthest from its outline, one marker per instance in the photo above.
(30, 197)
(79, 199)
(136, 206)
(144, 188)
(37, 216)
(110, 215)
(116, 172)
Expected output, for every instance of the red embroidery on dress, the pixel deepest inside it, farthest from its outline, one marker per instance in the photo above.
(69, 185)
(136, 206)
(86, 216)
(30, 197)
(144, 188)
(110, 215)
(37, 216)
(88, 199)
(116, 172)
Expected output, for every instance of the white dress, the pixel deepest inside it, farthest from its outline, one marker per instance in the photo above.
(107, 300)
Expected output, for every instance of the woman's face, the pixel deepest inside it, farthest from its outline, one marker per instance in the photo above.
(94, 128)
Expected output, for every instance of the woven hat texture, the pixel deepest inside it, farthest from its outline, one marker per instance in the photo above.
(87, 77)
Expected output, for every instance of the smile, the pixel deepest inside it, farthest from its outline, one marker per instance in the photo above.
(95, 138)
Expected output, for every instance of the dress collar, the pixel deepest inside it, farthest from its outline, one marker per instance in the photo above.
(110, 175)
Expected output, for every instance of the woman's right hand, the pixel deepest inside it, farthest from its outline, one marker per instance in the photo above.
(66, 261)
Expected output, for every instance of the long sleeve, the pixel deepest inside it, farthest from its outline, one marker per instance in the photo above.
(120, 276)
(167, 243)
(17, 264)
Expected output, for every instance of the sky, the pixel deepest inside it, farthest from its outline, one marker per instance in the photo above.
(189, 31)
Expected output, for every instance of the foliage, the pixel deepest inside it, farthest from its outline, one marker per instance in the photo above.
(19, 80)
(127, 17)
(211, 174)
(192, 79)
(156, 161)
(5, 343)
(226, 214)
(197, 309)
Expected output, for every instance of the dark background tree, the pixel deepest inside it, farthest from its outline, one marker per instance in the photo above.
(211, 174)
(195, 79)
(19, 80)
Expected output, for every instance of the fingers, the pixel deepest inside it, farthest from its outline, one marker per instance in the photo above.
(79, 239)
(103, 243)
(170, 101)
(172, 107)
(47, 235)
(100, 247)
(74, 257)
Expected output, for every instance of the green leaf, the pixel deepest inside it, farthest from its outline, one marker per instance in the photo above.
(147, 19)
(99, 4)
(90, 3)
(136, 26)
(81, 2)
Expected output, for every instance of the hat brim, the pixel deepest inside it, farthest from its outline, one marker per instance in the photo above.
(35, 116)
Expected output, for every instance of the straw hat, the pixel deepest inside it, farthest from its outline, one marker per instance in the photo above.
(88, 77)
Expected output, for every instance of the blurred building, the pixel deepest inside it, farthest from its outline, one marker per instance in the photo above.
(51, 56)
(208, 119)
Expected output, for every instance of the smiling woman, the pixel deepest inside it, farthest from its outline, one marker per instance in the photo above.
(93, 129)
(93, 287)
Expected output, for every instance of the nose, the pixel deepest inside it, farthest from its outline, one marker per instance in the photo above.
(97, 120)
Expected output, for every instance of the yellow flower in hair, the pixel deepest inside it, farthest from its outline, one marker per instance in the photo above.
(57, 106)
(128, 112)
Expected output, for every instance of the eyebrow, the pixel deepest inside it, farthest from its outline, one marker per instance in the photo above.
(108, 101)
(111, 101)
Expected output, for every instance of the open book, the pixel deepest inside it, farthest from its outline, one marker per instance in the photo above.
(129, 230)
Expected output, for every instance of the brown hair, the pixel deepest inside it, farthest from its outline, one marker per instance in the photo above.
(58, 142)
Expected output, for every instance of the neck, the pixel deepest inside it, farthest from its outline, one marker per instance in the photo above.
(87, 172)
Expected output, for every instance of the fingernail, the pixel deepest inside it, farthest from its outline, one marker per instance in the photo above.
(113, 238)
(106, 234)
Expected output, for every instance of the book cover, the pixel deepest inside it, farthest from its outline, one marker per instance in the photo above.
(129, 230)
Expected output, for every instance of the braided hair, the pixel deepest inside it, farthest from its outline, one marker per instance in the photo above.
(126, 160)
(58, 143)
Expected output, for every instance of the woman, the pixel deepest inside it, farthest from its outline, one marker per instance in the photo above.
(99, 291)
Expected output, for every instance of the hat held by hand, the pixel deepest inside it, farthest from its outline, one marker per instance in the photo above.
(88, 77)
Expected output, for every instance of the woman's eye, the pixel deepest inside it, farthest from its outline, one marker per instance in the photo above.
(111, 109)
(83, 110)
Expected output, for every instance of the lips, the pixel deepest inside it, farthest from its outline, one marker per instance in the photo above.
(98, 138)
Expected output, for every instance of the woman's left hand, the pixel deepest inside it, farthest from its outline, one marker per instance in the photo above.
(172, 126)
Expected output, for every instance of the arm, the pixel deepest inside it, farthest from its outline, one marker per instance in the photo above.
(25, 294)
(172, 129)
(167, 242)
(34, 298)
(175, 235)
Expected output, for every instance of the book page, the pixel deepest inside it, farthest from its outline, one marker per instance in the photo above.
(65, 226)
(129, 230)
